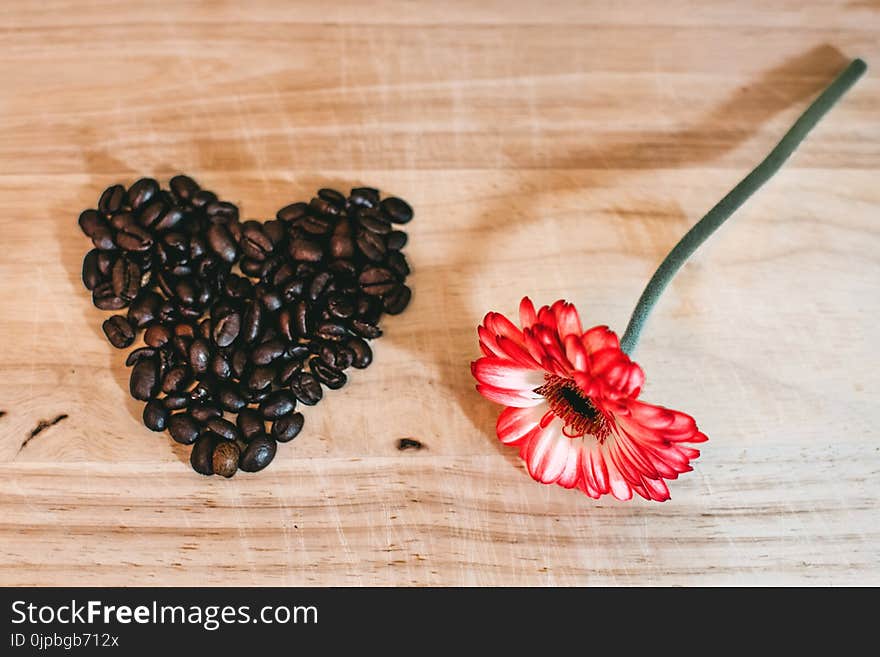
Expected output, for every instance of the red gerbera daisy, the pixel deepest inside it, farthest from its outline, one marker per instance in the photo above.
(573, 409)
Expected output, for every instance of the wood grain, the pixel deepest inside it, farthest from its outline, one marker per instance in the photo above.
(554, 149)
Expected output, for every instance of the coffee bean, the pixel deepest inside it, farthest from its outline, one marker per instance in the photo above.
(222, 243)
(104, 298)
(377, 281)
(176, 401)
(364, 196)
(204, 412)
(340, 306)
(270, 298)
(398, 210)
(365, 329)
(183, 428)
(302, 319)
(139, 354)
(306, 388)
(267, 352)
(112, 199)
(223, 428)
(142, 192)
(320, 207)
(305, 250)
(258, 454)
(155, 416)
(332, 197)
(250, 423)
(184, 188)
(102, 238)
(157, 335)
(277, 404)
(201, 457)
(133, 238)
(363, 355)
(287, 371)
(202, 198)
(332, 331)
(255, 243)
(221, 367)
(144, 381)
(319, 285)
(239, 362)
(260, 378)
(292, 212)
(396, 301)
(341, 243)
(226, 328)
(122, 220)
(91, 274)
(176, 379)
(90, 222)
(395, 240)
(224, 460)
(373, 222)
(398, 264)
(286, 428)
(118, 331)
(203, 392)
(230, 398)
(221, 212)
(329, 376)
(371, 245)
(126, 279)
(144, 309)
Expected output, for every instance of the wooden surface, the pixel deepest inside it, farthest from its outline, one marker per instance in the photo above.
(556, 149)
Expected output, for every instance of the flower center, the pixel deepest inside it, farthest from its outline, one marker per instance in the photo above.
(579, 415)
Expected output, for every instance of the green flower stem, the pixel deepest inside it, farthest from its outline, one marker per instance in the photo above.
(734, 199)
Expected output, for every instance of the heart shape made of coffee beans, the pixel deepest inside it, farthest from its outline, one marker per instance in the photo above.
(243, 319)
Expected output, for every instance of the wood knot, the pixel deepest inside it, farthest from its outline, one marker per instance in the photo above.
(409, 443)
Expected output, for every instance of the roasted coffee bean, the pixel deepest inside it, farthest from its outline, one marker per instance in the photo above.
(267, 352)
(398, 264)
(292, 212)
(377, 281)
(91, 274)
(221, 212)
(396, 301)
(202, 198)
(155, 416)
(364, 196)
(230, 398)
(183, 428)
(277, 404)
(335, 355)
(186, 292)
(329, 376)
(180, 346)
(259, 453)
(302, 318)
(176, 379)
(250, 267)
(371, 245)
(224, 460)
(363, 354)
(226, 328)
(133, 238)
(220, 367)
(122, 220)
(373, 222)
(260, 378)
(270, 299)
(151, 212)
(275, 230)
(204, 412)
(223, 428)
(139, 354)
(238, 287)
(102, 238)
(142, 192)
(176, 401)
(318, 207)
(203, 392)
(199, 356)
(118, 331)
(144, 381)
(340, 306)
(90, 222)
(202, 456)
(112, 199)
(286, 428)
(341, 243)
(222, 243)
(395, 240)
(366, 329)
(126, 279)
(305, 250)
(170, 219)
(158, 335)
(255, 244)
(250, 423)
(398, 210)
(332, 331)
(332, 197)
(287, 371)
(184, 188)
(144, 309)
(104, 298)
(306, 388)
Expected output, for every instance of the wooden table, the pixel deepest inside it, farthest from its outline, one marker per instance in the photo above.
(555, 149)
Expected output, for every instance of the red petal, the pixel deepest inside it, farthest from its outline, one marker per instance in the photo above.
(546, 453)
(504, 373)
(598, 338)
(515, 398)
(527, 314)
(514, 424)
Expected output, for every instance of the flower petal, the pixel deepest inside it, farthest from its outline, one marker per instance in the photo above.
(515, 424)
(598, 338)
(515, 398)
(546, 453)
(568, 322)
(527, 314)
(504, 373)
